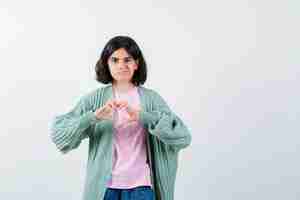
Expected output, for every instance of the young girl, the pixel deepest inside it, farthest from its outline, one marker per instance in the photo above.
(134, 137)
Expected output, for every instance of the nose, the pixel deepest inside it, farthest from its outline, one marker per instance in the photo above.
(122, 65)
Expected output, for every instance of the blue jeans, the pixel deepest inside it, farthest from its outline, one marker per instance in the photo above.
(137, 193)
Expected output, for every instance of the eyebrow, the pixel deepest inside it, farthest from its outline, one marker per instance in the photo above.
(119, 58)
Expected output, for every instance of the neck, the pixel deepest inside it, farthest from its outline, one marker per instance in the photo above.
(122, 86)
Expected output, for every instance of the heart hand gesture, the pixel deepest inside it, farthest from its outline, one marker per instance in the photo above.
(106, 112)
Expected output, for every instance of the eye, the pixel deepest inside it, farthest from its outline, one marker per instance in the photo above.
(114, 60)
(127, 60)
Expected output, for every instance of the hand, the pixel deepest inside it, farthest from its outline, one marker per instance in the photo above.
(133, 113)
(120, 104)
(106, 111)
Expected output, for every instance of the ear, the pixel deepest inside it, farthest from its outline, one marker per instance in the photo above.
(137, 64)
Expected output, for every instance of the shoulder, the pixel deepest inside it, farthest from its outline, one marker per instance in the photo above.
(148, 91)
(90, 96)
(93, 92)
(151, 93)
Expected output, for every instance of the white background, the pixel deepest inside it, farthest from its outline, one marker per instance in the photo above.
(230, 69)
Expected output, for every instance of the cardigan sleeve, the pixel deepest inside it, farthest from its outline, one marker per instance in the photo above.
(162, 122)
(67, 130)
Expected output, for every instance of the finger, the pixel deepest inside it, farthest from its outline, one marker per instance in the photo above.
(123, 105)
(111, 108)
(115, 103)
(118, 104)
(131, 118)
(130, 108)
(111, 105)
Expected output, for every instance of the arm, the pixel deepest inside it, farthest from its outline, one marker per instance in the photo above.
(165, 124)
(69, 129)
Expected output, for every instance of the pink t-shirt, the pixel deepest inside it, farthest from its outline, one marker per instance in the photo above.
(130, 168)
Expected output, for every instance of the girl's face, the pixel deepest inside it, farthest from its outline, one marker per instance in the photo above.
(122, 66)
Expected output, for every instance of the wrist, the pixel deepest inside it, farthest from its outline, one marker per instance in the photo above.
(98, 117)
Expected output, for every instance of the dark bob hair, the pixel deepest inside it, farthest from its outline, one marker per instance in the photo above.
(102, 71)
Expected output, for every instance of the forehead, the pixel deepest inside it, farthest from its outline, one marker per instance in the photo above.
(120, 53)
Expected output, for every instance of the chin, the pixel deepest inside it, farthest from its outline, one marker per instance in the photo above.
(123, 80)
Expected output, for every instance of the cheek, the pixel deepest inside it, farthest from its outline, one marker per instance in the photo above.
(113, 73)
(110, 70)
(135, 66)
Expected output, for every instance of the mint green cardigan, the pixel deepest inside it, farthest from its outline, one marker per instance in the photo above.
(166, 136)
